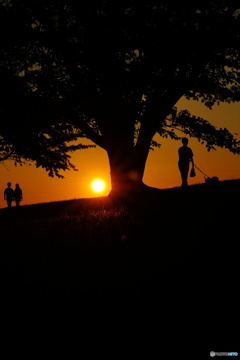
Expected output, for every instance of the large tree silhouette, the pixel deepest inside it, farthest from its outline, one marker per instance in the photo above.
(113, 71)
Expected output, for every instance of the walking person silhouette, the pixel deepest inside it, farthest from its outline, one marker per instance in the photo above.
(17, 195)
(185, 157)
(8, 194)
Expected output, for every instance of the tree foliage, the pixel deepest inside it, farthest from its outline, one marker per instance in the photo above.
(113, 71)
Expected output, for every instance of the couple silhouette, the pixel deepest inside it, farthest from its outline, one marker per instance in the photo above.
(11, 195)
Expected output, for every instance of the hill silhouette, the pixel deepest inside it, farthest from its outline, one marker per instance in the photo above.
(155, 268)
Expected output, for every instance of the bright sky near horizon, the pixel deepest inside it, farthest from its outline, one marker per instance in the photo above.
(161, 168)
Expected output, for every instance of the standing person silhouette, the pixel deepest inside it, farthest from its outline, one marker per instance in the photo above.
(17, 195)
(8, 194)
(185, 157)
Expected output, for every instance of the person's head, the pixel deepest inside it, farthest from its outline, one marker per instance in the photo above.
(17, 186)
(184, 141)
(9, 184)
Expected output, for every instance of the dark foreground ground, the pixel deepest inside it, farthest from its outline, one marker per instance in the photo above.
(158, 276)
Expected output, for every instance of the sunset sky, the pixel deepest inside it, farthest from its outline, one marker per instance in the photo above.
(161, 168)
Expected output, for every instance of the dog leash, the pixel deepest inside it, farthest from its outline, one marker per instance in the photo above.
(200, 170)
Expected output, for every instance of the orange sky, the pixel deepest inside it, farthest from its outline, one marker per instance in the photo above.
(161, 169)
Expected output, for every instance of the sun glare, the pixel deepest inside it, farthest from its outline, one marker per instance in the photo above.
(98, 185)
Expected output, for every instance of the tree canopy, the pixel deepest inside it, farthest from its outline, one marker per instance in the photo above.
(113, 71)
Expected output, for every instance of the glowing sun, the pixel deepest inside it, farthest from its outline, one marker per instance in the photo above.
(98, 185)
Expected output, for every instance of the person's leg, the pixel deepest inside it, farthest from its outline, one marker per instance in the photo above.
(184, 174)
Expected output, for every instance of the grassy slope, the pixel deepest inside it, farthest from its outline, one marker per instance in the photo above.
(158, 268)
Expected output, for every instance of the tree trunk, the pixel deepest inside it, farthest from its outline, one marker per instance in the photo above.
(126, 171)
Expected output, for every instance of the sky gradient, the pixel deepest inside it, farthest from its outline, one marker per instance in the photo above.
(161, 169)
